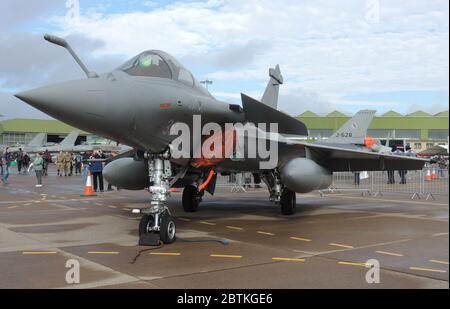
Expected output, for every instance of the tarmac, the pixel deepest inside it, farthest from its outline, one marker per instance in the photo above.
(234, 240)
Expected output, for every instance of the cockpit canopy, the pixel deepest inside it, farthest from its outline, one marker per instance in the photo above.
(156, 63)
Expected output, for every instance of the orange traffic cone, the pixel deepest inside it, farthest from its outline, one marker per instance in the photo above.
(428, 175)
(434, 175)
(88, 187)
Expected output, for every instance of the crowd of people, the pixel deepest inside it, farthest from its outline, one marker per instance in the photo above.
(67, 164)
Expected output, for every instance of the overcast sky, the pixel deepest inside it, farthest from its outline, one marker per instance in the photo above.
(346, 54)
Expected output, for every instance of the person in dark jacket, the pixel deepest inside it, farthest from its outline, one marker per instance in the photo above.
(19, 160)
(96, 169)
(6, 159)
(47, 157)
(26, 162)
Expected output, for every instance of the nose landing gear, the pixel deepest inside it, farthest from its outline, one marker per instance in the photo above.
(157, 221)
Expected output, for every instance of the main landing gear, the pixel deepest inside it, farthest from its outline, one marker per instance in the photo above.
(192, 197)
(279, 194)
(157, 223)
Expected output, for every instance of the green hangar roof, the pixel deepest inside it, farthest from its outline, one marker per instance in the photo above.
(391, 114)
(35, 126)
(391, 120)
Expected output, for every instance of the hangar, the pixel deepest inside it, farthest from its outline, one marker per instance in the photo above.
(21, 131)
(418, 129)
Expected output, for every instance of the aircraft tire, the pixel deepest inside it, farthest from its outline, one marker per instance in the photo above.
(287, 202)
(143, 224)
(167, 232)
(191, 199)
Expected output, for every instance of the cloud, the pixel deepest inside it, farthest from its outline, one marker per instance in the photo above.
(14, 12)
(233, 56)
(327, 50)
(11, 107)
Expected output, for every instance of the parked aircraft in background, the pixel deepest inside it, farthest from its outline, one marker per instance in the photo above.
(66, 144)
(37, 141)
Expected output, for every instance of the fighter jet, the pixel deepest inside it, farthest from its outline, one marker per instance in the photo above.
(66, 144)
(141, 101)
(37, 141)
(353, 134)
(104, 147)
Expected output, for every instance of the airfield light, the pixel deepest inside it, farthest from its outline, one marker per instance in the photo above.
(206, 83)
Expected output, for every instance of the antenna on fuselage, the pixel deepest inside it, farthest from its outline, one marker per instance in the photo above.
(63, 43)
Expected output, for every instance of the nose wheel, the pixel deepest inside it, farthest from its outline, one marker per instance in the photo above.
(165, 229)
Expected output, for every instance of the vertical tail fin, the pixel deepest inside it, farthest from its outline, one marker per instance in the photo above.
(270, 96)
(354, 130)
(70, 139)
(38, 140)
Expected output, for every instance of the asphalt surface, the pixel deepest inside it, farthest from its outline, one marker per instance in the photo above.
(324, 245)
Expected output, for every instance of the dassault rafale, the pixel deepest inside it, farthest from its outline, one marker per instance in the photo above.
(141, 102)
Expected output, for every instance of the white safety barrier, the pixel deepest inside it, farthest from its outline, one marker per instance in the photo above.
(424, 183)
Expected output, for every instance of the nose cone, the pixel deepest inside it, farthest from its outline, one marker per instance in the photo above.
(44, 99)
(68, 99)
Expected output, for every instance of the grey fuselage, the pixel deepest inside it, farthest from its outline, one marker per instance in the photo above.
(133, 110)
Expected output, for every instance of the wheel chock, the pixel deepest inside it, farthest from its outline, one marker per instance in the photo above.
(149, 239)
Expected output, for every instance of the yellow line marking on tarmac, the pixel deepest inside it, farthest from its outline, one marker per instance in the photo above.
(111, 206)
(104, 252)
(265, 233)
(389, 253)
(166, 253)
(300, 238)
(12, 207)
(340, 245)
(287, 259)
(352, 264)
(127, 209)
(428, 269)
(226, 256)
(38, 252)
(27, 204)
(439, 262)
(234, 228)
(184, 219)
(207, 223)
(98, 204)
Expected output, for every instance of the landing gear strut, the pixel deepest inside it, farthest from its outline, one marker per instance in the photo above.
(279, 194)
(157, 220)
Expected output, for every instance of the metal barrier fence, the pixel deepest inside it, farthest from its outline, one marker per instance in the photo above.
(424, 183)
(238, 182)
